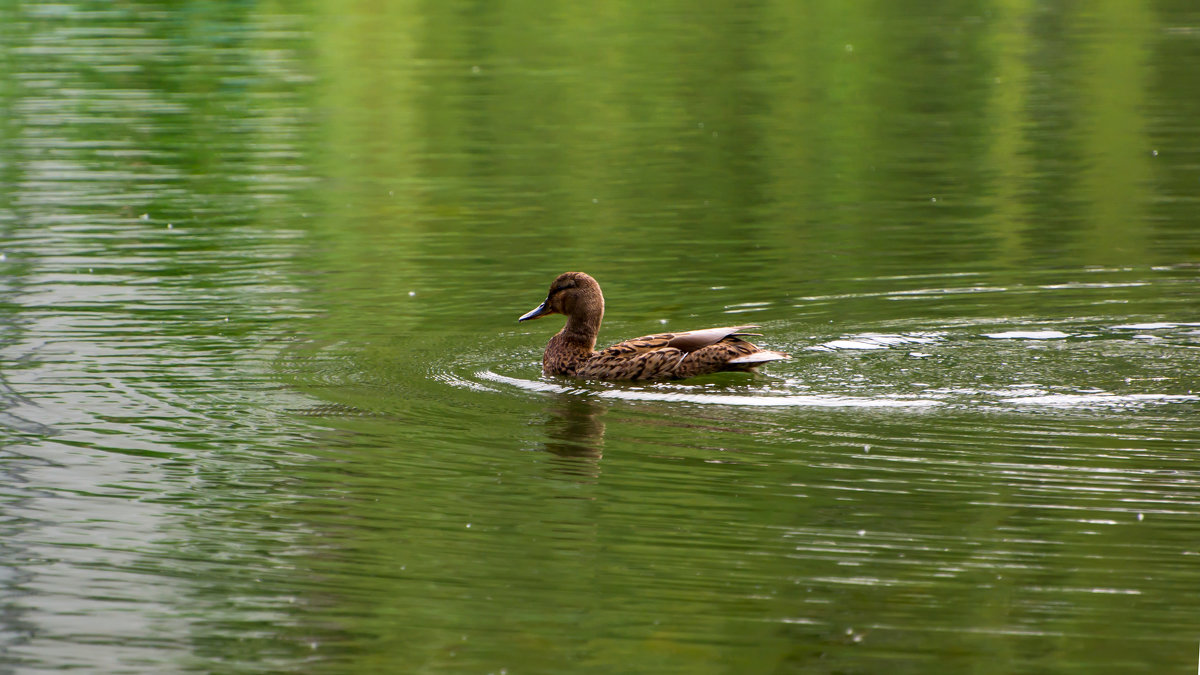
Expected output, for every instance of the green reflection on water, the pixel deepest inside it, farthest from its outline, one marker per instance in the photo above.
(371, 194)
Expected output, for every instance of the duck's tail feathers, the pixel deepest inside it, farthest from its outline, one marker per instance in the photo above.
(756, 358)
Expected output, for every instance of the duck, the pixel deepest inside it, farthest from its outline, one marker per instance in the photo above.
(663, 356)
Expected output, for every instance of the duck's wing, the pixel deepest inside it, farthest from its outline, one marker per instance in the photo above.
(696, 339)
(688, 341)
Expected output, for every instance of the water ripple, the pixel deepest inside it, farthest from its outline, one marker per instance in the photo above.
(637, 394)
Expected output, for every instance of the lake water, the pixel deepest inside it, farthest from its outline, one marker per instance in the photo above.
(265, 406)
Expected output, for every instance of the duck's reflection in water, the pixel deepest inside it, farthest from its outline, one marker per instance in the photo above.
(575, 432)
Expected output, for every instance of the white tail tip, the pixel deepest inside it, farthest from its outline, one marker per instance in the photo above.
(759, 357)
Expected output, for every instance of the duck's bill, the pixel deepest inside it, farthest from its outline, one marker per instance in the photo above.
(540, 310)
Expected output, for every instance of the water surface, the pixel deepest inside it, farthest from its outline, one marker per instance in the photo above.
(265, 406)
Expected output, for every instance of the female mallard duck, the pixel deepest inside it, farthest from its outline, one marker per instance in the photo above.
(653, 357)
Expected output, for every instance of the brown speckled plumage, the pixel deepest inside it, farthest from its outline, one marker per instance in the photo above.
(654, 357)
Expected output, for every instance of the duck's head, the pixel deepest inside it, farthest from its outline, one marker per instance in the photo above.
(572, 293)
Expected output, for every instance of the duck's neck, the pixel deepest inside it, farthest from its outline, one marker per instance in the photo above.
(576, 342)
(581, 330)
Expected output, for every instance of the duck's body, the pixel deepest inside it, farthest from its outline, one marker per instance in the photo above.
(653, 357)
